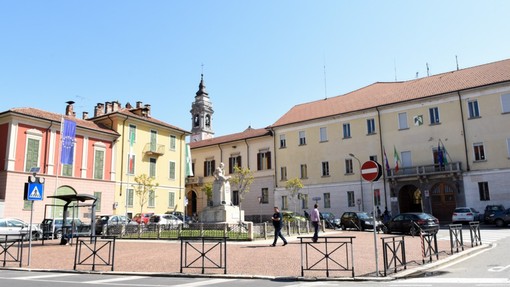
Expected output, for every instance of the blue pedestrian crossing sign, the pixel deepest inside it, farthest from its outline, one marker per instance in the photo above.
(35, 191)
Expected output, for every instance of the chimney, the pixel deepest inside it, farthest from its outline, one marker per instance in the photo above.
(116, 106)
(128, 106)
(138, 104)
(69, 109)
(85, 115)
(148, 110)
(108, 107)
(99, 110)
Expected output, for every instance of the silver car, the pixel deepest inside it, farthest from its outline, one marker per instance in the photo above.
(13, 228)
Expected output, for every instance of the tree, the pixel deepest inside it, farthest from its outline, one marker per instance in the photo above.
(145, 185)
(208, 190)
(293, 186)
(242, 178)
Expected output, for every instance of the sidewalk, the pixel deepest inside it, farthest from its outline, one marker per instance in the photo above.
(244, 259)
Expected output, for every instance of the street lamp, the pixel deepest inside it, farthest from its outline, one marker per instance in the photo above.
(360, 181)
(260, 211)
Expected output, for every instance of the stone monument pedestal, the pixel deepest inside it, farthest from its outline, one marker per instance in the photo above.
(222, 209)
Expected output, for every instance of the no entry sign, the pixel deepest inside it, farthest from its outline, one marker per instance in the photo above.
(371, 170)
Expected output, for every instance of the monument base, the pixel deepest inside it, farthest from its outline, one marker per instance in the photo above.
(222, 213)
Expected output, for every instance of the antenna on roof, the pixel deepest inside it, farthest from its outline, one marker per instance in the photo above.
(427, 64)
(416, 75)
(457, 61)
(395, 68)
(325, 86)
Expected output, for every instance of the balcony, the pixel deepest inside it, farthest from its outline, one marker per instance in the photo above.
(194, 180)
(154, 149)
(453, 169)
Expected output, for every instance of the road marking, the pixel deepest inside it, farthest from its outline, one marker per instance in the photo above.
(115, 279)
(429, 281)
(206, 282)
(43, 276)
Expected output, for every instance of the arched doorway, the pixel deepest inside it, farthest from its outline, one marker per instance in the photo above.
(410, 199)
(191, 209)
(58, 208)
(443, 201)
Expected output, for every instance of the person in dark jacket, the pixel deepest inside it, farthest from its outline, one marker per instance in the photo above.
(277, 223)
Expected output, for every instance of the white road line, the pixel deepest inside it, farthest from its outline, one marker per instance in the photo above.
(206, 282)
(44, 276)
(469, 281)
(115, 279)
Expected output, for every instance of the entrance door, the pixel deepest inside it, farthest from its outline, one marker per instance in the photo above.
(409, 200)
(443, 201)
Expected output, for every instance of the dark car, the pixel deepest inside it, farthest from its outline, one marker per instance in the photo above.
(490, 210)
(181, 216)
(107, 220)
(359, 220)
(412, 223)
(329, 220)
(52, 228)
(501, 218)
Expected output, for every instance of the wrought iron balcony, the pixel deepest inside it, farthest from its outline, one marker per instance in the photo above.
(151, 149)
(197, 180)
(425, 171)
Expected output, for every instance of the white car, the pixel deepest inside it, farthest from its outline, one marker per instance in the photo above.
(167, 219)
(465, 214)
(12, 228)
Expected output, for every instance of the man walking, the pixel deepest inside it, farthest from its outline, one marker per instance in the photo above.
(315, 217)
(277, 223)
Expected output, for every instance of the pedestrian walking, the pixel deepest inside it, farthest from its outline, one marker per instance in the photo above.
(315, 217)
(277, 223)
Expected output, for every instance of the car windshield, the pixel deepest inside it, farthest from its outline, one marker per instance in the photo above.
(364, 215)
(424, 216)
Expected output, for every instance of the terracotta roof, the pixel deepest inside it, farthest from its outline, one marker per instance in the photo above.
(380, 93)
(246, 134)
(128, 112)
(49, 116)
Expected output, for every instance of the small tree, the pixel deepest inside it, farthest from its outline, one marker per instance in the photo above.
(145, 185)
(293, 186)
(208, 190)
(242, 178)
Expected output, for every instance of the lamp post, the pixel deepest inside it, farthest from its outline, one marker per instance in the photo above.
(360, 181)
(260, 211)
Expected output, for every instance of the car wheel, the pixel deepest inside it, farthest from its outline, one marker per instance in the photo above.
(343, 227)
(361, 227)
(413, 231)
(499, 222)
(58, 234)
(385, 229)
(35, 235)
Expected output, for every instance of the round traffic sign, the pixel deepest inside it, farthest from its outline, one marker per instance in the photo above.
(371, 170)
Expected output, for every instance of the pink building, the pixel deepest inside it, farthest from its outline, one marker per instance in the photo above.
(32, 138)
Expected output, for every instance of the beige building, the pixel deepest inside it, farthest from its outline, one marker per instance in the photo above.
(449, 133)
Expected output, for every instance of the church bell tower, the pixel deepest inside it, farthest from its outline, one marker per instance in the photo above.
(201, 114)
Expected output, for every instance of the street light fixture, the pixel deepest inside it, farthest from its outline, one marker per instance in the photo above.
(360, 181)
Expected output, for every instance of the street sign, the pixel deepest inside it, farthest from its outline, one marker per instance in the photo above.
(371, 170)
(35, 191)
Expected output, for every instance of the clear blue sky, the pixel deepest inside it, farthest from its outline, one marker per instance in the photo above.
(259, 58)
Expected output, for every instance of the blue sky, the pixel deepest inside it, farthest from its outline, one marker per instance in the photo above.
(259, 58)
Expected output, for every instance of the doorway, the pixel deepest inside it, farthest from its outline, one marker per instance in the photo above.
(410, 199)
(443, 201)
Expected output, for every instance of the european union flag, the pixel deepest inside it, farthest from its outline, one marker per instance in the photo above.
(68, 135)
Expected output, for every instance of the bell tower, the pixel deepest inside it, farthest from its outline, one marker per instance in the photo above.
(201, 114)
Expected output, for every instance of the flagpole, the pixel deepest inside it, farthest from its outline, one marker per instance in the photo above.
(58, 163)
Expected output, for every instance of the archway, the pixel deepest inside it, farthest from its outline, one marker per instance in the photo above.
(191, 209)
(410, 199)
(58, 204)
(443, 201)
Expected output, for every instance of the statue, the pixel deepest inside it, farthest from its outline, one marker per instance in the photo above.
(219, 173)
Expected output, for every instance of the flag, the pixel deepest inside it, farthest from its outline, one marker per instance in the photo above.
(189, 165)
(131, 157)
(440, 155)
(68, 135)
(445, 158)
(386, 164)
(396, 157)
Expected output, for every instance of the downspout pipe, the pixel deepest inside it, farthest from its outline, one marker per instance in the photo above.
(122, 155)
(382, 156)
(45, 161)
(248, 153)
(468, 168)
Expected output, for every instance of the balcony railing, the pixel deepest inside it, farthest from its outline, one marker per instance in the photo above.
(195, 180)
(453, 168)
(154, 149)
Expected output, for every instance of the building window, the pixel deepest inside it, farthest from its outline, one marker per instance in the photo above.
(235, 197)
(154, 140)
(325, 168)
(32, 153)
(304, 171)
(350, 198)
(209, 166)
(283, 173)
(171, 170)
(302, 138)
(264, 195)
(172, 142)
(348, 166)
(151, 203)
(304, 201)
(99, 163)
(347, 130)
(327, 200)
(233, 161)
(67, 169)
(171, 200)
(152, 167)
(131, 164)
(434, 115)
(505, 103)
(264, 160)
(370, 126)
(402, 121)
(285, 202)
(132, 134)
(323, 134)
(98, 194)
(473, 110)
(373, 157)
(27, 204)
(283, 142)
(479, 151)
(483, 189)
(129, 197)
(208, 121)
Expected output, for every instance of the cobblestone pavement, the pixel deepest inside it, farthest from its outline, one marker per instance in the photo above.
(247, 259)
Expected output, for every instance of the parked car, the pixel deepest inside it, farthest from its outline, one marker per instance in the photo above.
(181, 216)
(329, 220)
(291, 216)
(52, 228)
(491, 209)
(167, 219)
(14, 227)
(412, 223)
(501, 218)
(142, 218)
(108, 220)
(465, 214)
(359, 221)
